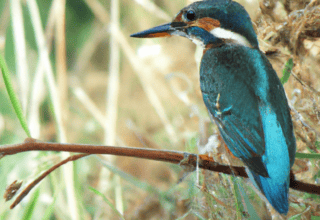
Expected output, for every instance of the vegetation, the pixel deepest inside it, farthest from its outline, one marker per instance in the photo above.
(80, 78)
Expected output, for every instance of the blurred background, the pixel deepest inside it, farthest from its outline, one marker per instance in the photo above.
(80, 78)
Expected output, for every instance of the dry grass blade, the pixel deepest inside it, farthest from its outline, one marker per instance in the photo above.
(20, 52)
(154, 9)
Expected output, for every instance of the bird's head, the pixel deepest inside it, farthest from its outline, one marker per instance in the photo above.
(209, 22)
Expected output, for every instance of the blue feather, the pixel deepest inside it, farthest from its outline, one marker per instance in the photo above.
(276, 159)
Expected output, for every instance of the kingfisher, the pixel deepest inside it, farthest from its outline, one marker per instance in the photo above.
(241, 91)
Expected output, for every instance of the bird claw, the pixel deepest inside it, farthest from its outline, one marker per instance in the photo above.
(186, 165)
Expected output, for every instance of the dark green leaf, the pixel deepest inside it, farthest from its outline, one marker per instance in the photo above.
(12, 95)
(307, 156)
(287, 71)
(29, 210)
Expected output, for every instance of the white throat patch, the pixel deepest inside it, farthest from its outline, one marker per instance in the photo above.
(226, 34)
(197, 41)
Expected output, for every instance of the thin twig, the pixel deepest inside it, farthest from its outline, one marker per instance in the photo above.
(176, 157)
(25, 192)
(304, 84)
(304, 123)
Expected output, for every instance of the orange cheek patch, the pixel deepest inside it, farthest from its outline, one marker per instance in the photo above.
(178, 18)
(206, 23)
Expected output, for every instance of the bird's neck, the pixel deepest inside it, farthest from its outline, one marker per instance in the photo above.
(202, 37)
(223, 42)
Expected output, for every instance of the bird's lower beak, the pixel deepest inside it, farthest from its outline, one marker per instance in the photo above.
(164, 30)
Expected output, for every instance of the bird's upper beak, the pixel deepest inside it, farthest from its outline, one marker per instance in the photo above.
(165, 30)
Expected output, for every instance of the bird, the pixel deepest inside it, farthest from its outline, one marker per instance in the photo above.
(241, 91)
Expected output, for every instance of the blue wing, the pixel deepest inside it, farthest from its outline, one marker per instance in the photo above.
(239, 121)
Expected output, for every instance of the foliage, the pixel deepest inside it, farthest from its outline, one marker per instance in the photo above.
(62, 94)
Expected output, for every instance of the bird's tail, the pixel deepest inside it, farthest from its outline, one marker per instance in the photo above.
(274, 190)
(276, 160)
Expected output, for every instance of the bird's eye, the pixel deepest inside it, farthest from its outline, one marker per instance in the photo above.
(190, 15)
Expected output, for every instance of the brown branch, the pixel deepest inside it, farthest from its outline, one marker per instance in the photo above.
(25, 192)
(175, 157)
